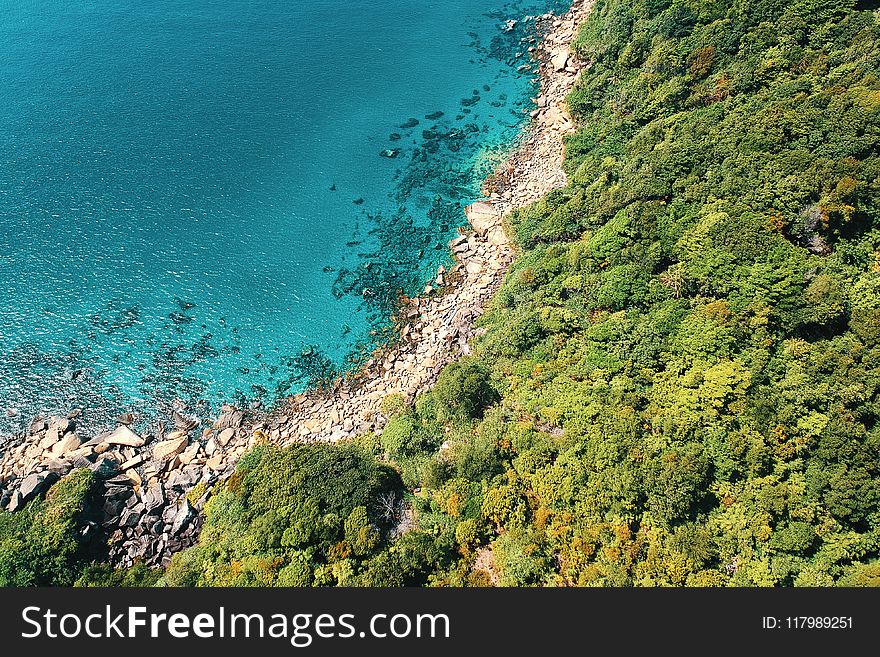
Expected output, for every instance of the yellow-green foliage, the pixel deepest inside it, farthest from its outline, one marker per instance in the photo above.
(295, 517)
(39, 545)
(687, 350)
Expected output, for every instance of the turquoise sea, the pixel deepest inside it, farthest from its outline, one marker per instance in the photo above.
(220, 200)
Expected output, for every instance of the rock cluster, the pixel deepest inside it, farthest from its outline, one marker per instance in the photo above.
(146, 480)
(437, 327)
(155, 482)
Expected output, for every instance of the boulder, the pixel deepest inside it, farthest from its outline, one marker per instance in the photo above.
(114, 492)
(35, 484)
(181, 481)
(60, 424)
(124, 436)
(15, 502)
(133, 462)
(182, 518)
(559, 60)
(126, 418)
(474, 268)
(38, 424)
(168, 514)
(104, 468)
(59, 467)
(154, 498)
(79, 461)
(187, 455)
(52, 436)
(184, 422)
(120, 481)
(67, 444)
(231, 418)
(176, 443)
(486, 220)
(112, 508)
(130, 517)
(226, 436)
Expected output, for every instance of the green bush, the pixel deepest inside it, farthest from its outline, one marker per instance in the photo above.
(463, 390)
(43, 545)
(299, 516)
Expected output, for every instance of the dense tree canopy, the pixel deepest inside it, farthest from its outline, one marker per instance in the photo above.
(309, 515)
(695, 401)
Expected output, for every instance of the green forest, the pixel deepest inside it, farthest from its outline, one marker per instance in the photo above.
(678, 383)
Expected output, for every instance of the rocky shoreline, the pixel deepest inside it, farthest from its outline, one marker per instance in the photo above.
(156, 482)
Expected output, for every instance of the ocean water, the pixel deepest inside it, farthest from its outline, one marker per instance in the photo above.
(221, 200)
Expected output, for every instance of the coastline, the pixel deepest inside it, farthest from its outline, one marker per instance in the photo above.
(151, 511)
(437, 328)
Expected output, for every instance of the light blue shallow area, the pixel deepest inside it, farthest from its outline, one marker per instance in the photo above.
(193, 192)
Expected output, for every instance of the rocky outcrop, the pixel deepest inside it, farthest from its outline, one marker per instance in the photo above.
(155, 483)
(147, 480)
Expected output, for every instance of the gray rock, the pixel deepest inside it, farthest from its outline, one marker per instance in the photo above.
(38, 424)
(97, 440)
(81, 462)
(104, 468)
(15, 502)
(35, 484)
(168, 514)
(112, 509)
(118, 492)
(154, 499)
(183, 518)
(120, 480)
(59, 467)
(230, 420)
(60, 424)
(184, 422)
(181, 481)
(126, 418)
(130, 517)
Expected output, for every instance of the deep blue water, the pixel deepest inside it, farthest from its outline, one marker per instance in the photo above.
(193, 200)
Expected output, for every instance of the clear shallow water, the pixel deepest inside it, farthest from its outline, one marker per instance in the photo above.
(193, 195)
